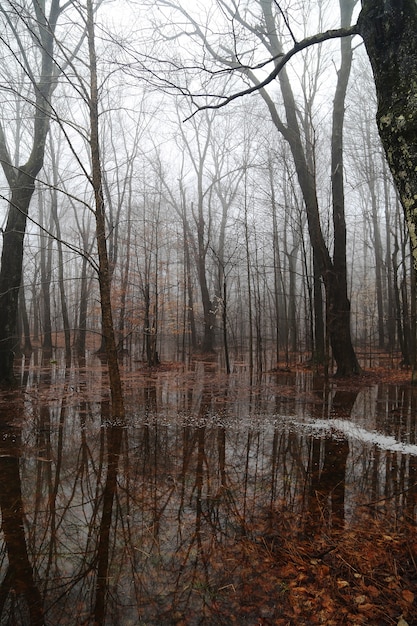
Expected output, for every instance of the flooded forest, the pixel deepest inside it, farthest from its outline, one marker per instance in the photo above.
(208, 313)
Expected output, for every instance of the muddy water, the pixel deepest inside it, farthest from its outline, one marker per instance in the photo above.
(162, 519)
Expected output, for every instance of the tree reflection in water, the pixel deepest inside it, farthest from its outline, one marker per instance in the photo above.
(191, 512)
(20, 598)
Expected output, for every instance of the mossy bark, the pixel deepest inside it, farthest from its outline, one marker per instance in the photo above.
(389, 32)
(388, 28)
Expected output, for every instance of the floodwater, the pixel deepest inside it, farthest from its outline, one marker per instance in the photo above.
(205, 505)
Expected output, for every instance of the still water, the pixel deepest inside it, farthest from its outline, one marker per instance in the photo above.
(216, 502)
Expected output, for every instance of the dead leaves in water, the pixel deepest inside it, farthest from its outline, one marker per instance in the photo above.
(364, 576)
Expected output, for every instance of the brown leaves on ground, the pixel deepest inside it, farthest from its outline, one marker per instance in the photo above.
(286, 573)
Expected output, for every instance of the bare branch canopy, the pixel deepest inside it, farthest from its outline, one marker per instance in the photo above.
(280, 62)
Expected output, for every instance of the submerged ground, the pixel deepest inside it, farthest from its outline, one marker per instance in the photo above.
(220, 500)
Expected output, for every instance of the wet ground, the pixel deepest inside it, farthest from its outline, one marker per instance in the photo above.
(219, 500)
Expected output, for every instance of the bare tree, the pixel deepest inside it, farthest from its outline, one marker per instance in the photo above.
(104, 271)
(387, 29)
(29, 41)
(261, 24)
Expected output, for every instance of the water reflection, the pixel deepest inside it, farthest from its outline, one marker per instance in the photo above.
(183, 516)
(20, 597)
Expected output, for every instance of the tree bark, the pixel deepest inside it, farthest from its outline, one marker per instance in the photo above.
(21, 580)
(333, 272)
(388, 30)
(26, 340)
(61, 281)
(11, 272)
(21, 181)
(338, 304)
(104, 271)
(45, 240)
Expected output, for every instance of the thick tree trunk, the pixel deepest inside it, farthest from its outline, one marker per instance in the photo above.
(11, 272)
(388, 30)
(338, 304)
(338, 324)
(277, 263)
(21, 180)
(333, 272)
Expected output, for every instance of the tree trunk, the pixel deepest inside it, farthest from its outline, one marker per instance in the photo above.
(209, 318)
(27, 343)
(398, 307)
(46, 280)
(104, 271)
(150, 329)
(277, 263)
(19, 580)
(319, 349)
(338, 323)
(248, 278)
(390, 301)
(61, 281)
(11, 272)
(292, 299)
(21, 181)
(82, 309)
(388, 30)
(338, 304)
(224, 317)
(125, 283)
(189, 317)
(332, 272)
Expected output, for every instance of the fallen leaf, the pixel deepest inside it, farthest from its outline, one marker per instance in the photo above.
(408, 596)
(360, 599)
(300, 590)
(373, 591)
(367, 608)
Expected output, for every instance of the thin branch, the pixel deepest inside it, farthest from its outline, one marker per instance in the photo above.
(301, 45)
(286, 21)
(65, 243)
(5, 160)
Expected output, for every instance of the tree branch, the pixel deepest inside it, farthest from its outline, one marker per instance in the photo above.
(5, 160)
(284, 58)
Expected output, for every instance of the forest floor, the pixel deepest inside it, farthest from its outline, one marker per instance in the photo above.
(365, 573)
(307, 571)
(312, 571)
(290, 570)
